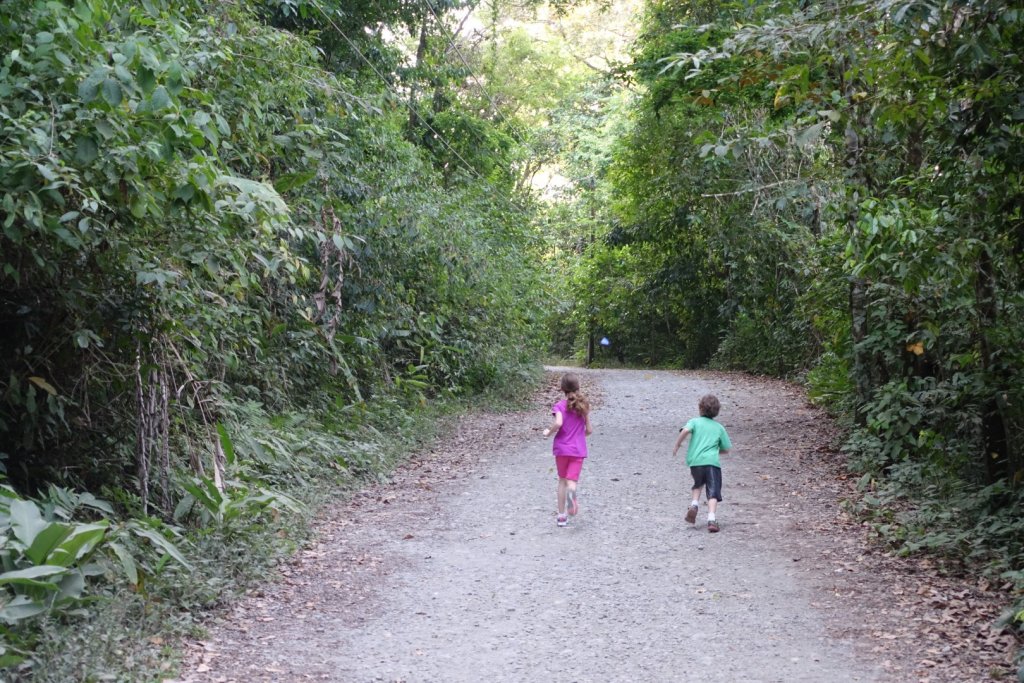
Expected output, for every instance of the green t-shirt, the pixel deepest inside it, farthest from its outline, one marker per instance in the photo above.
(707, 437)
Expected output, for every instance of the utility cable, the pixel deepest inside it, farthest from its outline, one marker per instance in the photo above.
(484, 144)
(451, 42)
(388, 85)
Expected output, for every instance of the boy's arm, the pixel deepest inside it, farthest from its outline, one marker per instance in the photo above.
(683, 433)
(724, 445)
(556, 424)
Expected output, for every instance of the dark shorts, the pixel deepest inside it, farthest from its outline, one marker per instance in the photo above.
(709, 476)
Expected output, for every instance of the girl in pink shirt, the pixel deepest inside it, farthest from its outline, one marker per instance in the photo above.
(571, 427)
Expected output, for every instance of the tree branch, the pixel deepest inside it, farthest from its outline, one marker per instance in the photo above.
(752, 189)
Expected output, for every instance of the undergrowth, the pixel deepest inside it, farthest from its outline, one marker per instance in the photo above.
(919, 487)
(131, 631)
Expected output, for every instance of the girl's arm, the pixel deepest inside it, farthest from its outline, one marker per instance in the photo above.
(683, 433)
(556, 424)
(589, 428)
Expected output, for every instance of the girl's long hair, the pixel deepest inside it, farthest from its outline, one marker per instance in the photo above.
(574, 398)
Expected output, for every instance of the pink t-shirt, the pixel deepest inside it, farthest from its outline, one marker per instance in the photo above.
(571, 439)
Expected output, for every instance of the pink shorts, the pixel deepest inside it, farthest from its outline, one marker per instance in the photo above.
(569, 466)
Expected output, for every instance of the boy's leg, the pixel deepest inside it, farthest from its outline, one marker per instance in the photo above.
(714, 489)
(691, 512)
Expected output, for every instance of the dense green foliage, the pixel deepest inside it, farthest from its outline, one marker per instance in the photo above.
(242, 245)
(834, 191)
(235, 250)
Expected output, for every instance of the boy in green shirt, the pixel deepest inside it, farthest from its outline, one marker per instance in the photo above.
(708, 440)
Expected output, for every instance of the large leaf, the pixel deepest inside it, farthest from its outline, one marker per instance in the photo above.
(81, 541)
(111, 90)
(163, 544)
(20, 608)
(225, 443)
(256, 190)
(26, 521)
(30, 575)
(72, 585)
(202, 495)
(131, 570)
(46, 540)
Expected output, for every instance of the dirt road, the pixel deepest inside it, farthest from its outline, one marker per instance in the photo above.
(455, 570)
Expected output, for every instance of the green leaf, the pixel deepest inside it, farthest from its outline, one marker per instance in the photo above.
(146, 79)
(131, 569)
(20, 608)
(810, 135)
(225, 443)
(163, 544)
(292, 180)
(71, 585)
(45, 541)
(112, 92)
(174, 79)
(138, 206)
(159, 99)
(183, 507)
(83, 538)
(83, 11)
(26, 522)
(86, 150)
(31, 573)
(88, 89)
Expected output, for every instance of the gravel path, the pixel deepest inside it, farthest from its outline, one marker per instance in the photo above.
(455, 571)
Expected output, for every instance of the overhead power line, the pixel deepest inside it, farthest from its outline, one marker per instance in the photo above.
(398, 95)
(391, 88)
(484, 144)
(451, 42)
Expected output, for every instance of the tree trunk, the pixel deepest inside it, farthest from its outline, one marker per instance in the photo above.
(421, 52)
(996, 451)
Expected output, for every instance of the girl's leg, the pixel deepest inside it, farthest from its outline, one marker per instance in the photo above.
(562, 486)
(572, 476)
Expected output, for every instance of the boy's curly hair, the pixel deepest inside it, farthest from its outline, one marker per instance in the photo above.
(709, 406)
